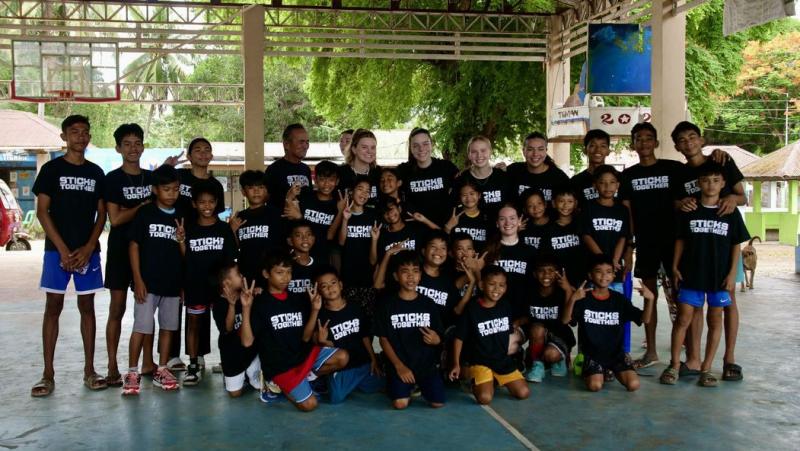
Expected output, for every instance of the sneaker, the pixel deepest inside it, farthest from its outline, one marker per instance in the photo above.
(201, 362)
(559, 369)
(193, 375)
(268, 397)
(416, 392)
(176, 364)
(130, 385)
(577, 364)
(536, 373)
(165, 380)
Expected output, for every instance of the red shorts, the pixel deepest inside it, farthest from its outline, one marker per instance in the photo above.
(290, 379)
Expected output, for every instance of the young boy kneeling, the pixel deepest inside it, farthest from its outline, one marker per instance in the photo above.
(410, 331)
(238, 362)
(601, 315)
(486, 327)
(281, 324)
(343, 325)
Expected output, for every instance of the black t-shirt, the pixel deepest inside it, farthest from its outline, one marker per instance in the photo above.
(688, 181)
(187, 180)
(493, 189)
(547, 311)
(442, 291)
(347, 329)
(264, 230)
(301, 277)
(206, 248)
(567, 247)
(427, 190)
(485, 332)
(399, 321)
(127, 191)
(536, 236)
(74, 192)
(160, 260)
(601, 326)
(235, 357)
(347, 180)
(478, 227)
(606, 225)
(320, 213)
(356, 269)
(649, 190)
(520, 179)
(582, 185)
(281, 175)
(278, 330)
(517, 261)
(413, 234)
(708, 240)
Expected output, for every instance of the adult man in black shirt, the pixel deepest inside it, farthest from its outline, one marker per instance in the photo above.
(289, 171)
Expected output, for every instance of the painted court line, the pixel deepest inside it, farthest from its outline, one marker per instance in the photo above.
(517, 434)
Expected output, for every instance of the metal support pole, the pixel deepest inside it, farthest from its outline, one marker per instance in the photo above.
(253, 61)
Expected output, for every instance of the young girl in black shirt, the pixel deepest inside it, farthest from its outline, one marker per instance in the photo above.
(470, 219)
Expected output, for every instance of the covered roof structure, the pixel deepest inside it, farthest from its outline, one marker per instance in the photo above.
(26, 131)
(783, 164)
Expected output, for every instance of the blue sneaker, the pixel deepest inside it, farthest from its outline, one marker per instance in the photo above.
(535, 373)
(269, 397)
(559, 369)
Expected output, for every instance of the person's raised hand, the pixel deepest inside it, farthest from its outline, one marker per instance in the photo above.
(174, 160)
(248, 293)
(375, 231)
(314, 296)
(180, 231)
(236, 222)
(580, 293)
(322, 331)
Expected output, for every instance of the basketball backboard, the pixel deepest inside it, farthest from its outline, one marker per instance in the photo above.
(45, 71)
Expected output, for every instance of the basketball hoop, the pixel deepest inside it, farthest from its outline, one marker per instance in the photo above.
(61, 95)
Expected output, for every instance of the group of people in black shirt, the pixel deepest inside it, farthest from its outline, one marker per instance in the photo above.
(358, 277)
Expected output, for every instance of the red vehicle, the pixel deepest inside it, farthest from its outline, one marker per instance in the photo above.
(11, 234)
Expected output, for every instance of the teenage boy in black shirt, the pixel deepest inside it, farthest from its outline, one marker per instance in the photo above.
(289, 171)
(706, 256)
(70, 207)
(601, 314)
(410, 331)
(209, 242)
(281, 324)
(485, 328)
(157, 264)
(319, 208)
(537, 171)
(259, 228)
(238, 362)
(126, 189)
(341, 324)
(605, 224)
(646, 189)
(689, 142)
(596, 147)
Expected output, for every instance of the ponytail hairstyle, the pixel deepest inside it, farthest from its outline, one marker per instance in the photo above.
(358, 135)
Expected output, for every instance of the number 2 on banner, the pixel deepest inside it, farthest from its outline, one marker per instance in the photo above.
(624, 118)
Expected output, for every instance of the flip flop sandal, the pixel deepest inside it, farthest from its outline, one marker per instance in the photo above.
(732, 372)
(114, 380)
(685, 371)
(707, 379)
(644, 362)
(95, 382)
(43, 388)
(669, 376)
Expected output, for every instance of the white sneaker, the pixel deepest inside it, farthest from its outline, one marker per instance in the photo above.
(201, 362)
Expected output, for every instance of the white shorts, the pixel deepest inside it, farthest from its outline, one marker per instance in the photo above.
(253, 374)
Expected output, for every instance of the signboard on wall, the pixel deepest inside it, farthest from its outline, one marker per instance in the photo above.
(619, 59)
(572, 123)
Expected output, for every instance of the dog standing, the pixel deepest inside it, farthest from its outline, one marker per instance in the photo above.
(749, 261)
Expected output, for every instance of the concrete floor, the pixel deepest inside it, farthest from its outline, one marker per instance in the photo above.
(760, 412)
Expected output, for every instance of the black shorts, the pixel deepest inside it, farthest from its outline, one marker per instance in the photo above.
(118, 268)
(431, 386)
(620, 364)
(562, 338)
(652, 256)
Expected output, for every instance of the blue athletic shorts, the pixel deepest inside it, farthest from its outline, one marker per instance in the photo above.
(739, 271)
(87, 280)
(697, 298)
(432, 387)
(344, 382)
(303, 390)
